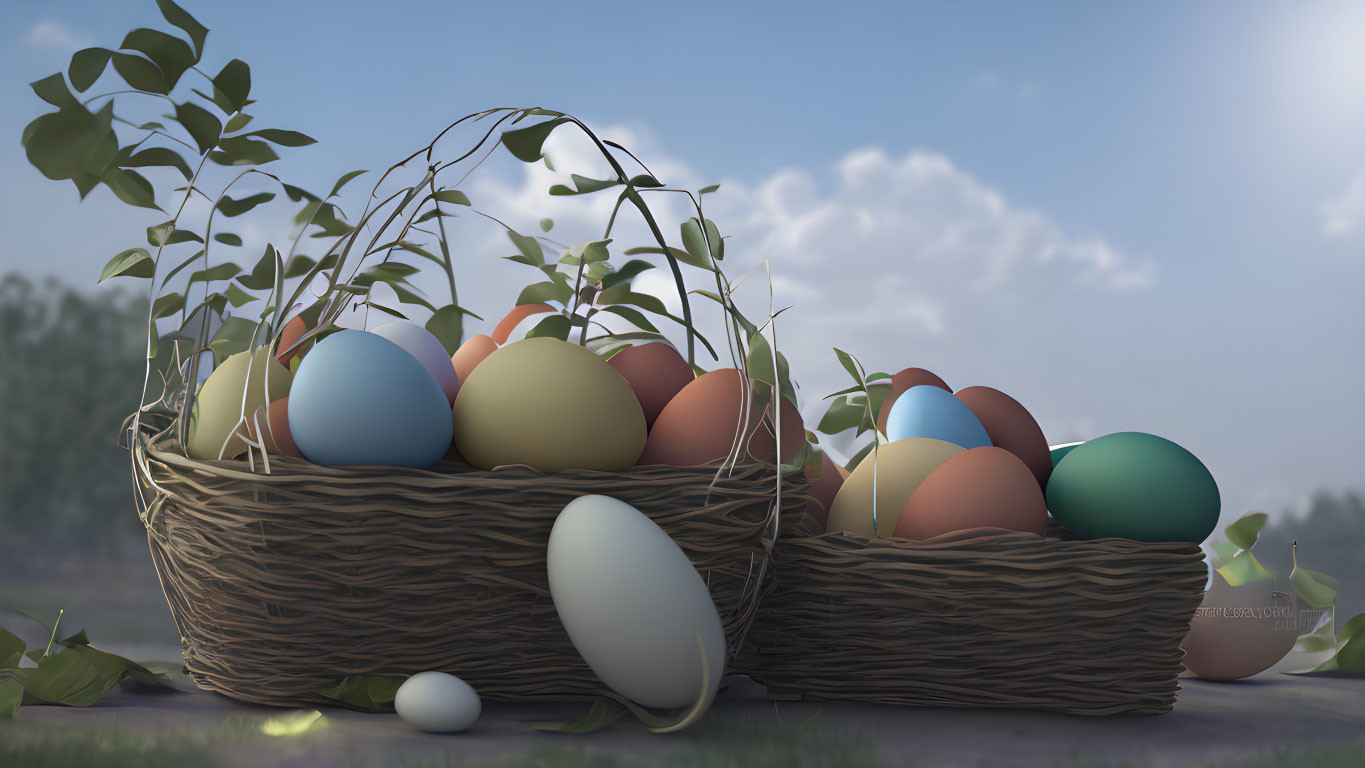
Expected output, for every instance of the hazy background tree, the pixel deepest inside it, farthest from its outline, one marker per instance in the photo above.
(70, 372)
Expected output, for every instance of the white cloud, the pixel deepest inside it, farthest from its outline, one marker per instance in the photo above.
(1345, 214)
(51, 34)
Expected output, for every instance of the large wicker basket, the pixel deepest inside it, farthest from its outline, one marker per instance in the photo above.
(282, 584)
(982, 618)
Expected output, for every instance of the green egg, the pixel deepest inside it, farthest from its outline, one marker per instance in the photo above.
(1058, 452)
(1132, 485)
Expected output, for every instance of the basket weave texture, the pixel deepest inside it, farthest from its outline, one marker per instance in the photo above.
(282, 584)
(981, 618)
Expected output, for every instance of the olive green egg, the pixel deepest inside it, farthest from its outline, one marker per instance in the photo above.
(551, 405)
(1133, 485)
(218, 408)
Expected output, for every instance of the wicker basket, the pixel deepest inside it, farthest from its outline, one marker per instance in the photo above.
(981, 618)
(282, 584)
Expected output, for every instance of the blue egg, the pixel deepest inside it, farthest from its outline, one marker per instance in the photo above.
(361, 400)
(930, 411)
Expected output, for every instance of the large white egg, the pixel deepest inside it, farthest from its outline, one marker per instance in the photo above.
(633, 604)
(423, 345)
(437, 703)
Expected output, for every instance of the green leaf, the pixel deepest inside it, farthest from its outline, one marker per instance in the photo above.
(621, 294)
(546, 225)
(237, 122)
(1244, 569)
(130, 187)
(59, 144)
(179, 18)
(11, 649)
(183, 236)
(233, 337)
(203, 126)
(182, 265)
(529, 247)
(626, 274)
(1248, 527)
(11, 696)
(262, 275)
(158, 235)
(167, 305)
(53, 90)
(217, 98)
(374, 693)
(86, 67)
(717, 242)
(171, 55)
(447, 325)
(238, 297)
(554, 326)
(708, 190)
(231, 207)
(234, 80)
(298, 193)
(633, 315)
(645, 181)
(239, 150)
(680, 255)
(538, 293)
(1351, 656)
(228, 238)
(65, 678)
(842, 414)
(140, 73)
(526, 143)
(603, 713)
(159, 156)
(583, 185)
(1354, 626)
(1225, 550)
(1317, 589)
(134, 262)
(453, 196)
(591, 252)
(850, 365)
(213, 274)
(284, 138)
(298, 266)
(343, 181)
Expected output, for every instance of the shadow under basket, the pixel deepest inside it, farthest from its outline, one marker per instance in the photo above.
(282, 584)
(980, 618)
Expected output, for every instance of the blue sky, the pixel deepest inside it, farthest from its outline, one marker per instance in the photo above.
(1200, 167)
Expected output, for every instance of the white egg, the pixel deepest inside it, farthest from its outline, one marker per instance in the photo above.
(633, 604)
(423, 345)
(437, 703)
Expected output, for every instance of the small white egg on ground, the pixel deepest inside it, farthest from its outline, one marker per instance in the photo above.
(436, 702)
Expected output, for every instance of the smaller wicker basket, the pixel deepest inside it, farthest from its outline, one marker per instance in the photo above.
(282, 584)
(981, 618)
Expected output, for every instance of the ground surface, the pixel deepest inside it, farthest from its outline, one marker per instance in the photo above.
(1240, 724)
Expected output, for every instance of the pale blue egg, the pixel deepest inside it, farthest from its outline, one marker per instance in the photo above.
(930, 411)
(361, 400)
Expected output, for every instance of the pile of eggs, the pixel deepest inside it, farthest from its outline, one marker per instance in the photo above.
(977, 459)
(393, 397)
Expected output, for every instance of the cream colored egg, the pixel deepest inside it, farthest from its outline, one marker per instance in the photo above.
(635, 607)
(436, 702)
(899, 468)
(219, 408)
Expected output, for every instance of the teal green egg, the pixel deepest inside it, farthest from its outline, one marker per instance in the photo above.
(1133, 485)
(1059, 452)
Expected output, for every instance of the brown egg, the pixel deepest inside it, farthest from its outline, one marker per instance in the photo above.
(655, 372)
(702, 421)
(277, 438)
(910, 377)
(470, 354)
(1240, 631)
(1011, 427)
(293, 329)
(762, 444)
(981, 488)
(824, 488)
(518, 313)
